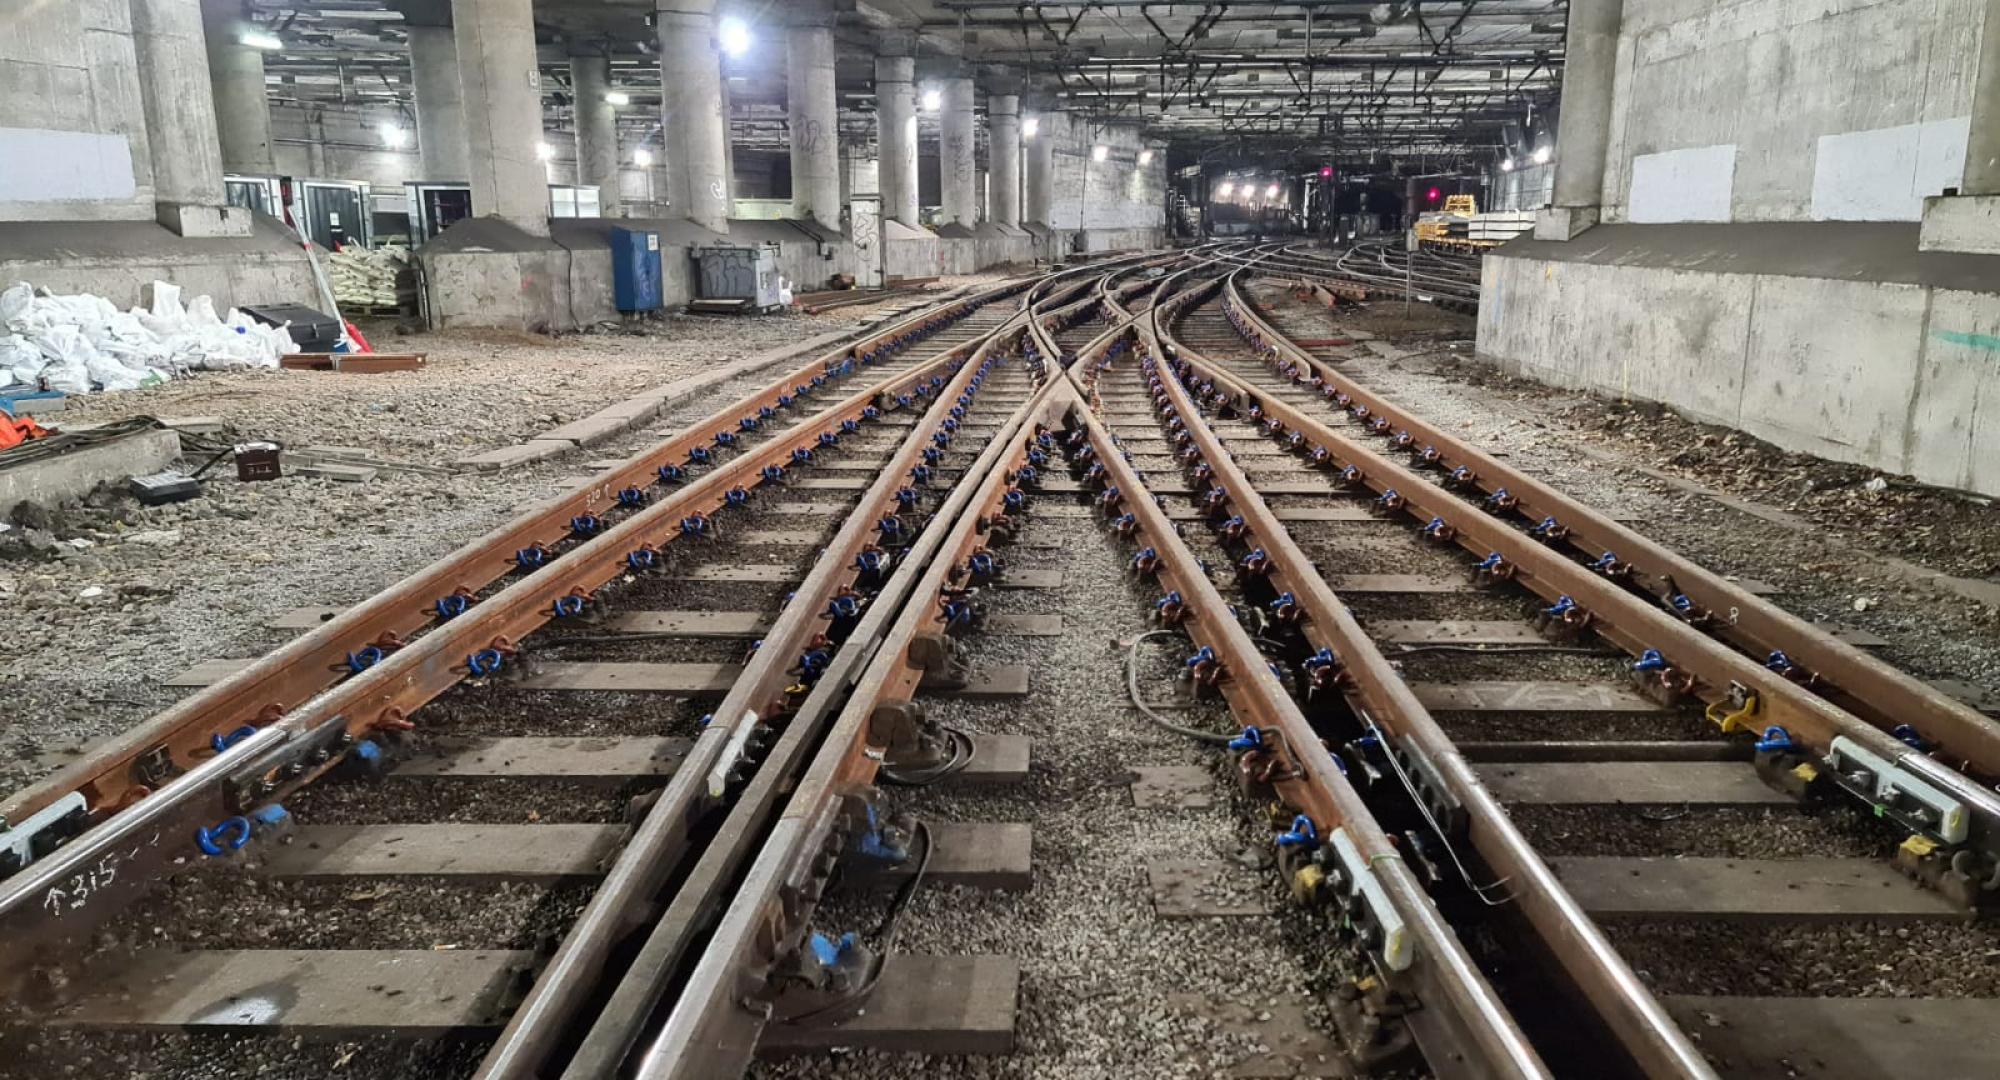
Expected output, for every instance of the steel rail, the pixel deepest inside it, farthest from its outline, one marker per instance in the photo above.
(661, 842)
(314, 735)
(712, 1028)
(1860, 683)
(1377, 692)
(1314, 784)
(1720, 674)
(310, 663)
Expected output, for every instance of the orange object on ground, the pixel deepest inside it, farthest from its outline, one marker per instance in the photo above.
(15, 430)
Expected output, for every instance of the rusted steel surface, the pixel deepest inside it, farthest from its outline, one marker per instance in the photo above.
(771, 688)
(385, 695)
(709, 1030)
(1824, 665)
(1701, 666)
(180, 737)
(1378, 694)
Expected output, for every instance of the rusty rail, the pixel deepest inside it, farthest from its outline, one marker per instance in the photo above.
(766, 694)
(1741, 693)
(1847, 676)
(712, 1028)
(1382, 700)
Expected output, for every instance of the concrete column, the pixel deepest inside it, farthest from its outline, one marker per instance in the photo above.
(812, 110)
(441, 127)
(1584, 134)
(596, 131)
(1969, 223)
(1003, 151)
(896, 117)
(503, 110)
(1982, 147)
(956, 169)
(236, 73)
(692, 114)
(1041, 178)
(179, 103)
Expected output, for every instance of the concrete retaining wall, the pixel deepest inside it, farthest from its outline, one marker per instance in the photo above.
(1778, 110)
(1900, 374)
(118, 259)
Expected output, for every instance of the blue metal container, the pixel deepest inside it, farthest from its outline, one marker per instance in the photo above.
(635, 270)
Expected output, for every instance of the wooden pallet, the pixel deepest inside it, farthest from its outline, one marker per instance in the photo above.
(354, 363)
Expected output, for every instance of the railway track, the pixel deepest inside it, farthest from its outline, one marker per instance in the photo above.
(675, 762)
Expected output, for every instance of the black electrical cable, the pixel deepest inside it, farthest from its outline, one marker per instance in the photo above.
(882, 940)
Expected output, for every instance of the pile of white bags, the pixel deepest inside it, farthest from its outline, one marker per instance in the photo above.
(78, 344)
(367, 276)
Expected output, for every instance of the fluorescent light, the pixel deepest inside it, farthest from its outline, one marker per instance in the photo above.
(1507, 165)
(544, 151)
(642, 158)
(1542, 155)
(933, 99)
(1271, 192)
(1225, 190)
(1145, 158)
(1030, 126)
(734, 36)
(1100, 152)
(258, 39)
(618, 97)
(392, 135)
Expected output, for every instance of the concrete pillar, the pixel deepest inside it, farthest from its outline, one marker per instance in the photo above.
(236, 74)
(1969, 223)
(692, 114)
(812, 110)
(596, 131)
(960, 194)
(1041, 178)
(441, 127)
(1584, 134)
(896, 117)
(1982, 147)
(503, 110)
(1003, 152)
(179, 103)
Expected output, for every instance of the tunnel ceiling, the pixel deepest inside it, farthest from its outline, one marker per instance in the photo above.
(1330, 79)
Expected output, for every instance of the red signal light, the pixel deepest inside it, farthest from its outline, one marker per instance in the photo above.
(1435, 193)
(1326, 172)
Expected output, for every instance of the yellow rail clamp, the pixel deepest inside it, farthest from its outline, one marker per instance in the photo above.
(1918, 846)
(1743, 719)
(1806, 771)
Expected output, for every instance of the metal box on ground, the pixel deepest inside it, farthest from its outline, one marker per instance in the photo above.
(310, 330)
(635, 270)
(739, 277)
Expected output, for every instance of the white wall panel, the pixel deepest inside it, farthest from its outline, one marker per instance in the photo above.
(1884, 174)
(64, 166)
(1683, 185)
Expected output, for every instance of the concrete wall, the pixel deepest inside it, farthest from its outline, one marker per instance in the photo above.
(1120, 194)
(72, 124)
(1789, 110)
(1897, 369)
(118, 259)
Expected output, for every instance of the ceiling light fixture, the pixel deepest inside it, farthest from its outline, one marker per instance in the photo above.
(258, 39)
(618, 97)
(642, 158)
(933, 99)
(1542, 155)
(1030, 126)
(1507, 165)
(1145, 158)
(394, 136)
(544, 151)
(1225, 190)
(734, 36)
(1100, 152)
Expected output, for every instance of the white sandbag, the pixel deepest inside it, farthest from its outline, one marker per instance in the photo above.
(20, 361)
(66, 355)
(14, 302)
